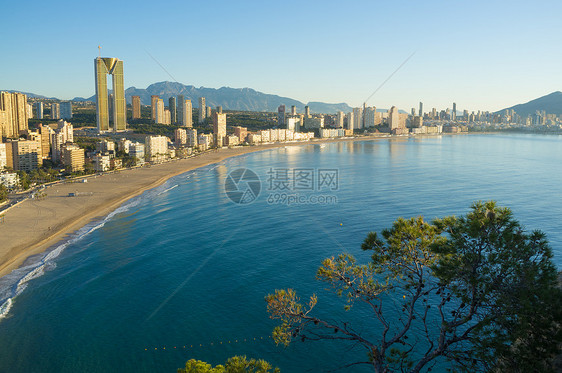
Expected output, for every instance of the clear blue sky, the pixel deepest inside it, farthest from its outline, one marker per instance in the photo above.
(481, 54)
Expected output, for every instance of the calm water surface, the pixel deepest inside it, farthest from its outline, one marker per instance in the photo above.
(182, 265)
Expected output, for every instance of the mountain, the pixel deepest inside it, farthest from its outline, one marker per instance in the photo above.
(31, 95)
(551, 103)
(229, 98)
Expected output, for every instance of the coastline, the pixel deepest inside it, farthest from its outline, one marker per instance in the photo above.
(33, 226)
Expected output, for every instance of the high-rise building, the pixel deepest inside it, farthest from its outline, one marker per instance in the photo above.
(281, 115)
(393, 118)
(136, 107)
(241, 132)
(159, 111)
(173, 110)
(66, 110)
(55, 111)
(73, 157)
(3, 156)
(136, 150)
(180, 137)
(306, 111)
(26, 155)
(421, 109)
(45, 132)
(186, 113)
(179, 104)
(357, 118)
(191, 137)
(340, 119)
(113, 67)
(59, 137)
(350, 124)
(454, 113)
(153, 105)
(219, 109)
(293, 110)
(202, 109)
(29, 110)
(156, 147)
(219, 128)
(167, 117)
(38, 110)
(13, 114)
(209, 112)
(370, 116)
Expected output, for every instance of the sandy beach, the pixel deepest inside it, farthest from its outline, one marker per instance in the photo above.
(34, 225)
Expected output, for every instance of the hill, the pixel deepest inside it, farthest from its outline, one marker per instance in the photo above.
(551, 103)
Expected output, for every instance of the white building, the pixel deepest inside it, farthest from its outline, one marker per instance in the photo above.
(102, 163)
(156, 147)
(136, 150)
(55, 111)
(9, 179)
(191, 138)
(180, 137)
(3, 156)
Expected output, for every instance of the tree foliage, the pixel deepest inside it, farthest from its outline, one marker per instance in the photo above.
(236, 364)
(474, 290)
(3, 193)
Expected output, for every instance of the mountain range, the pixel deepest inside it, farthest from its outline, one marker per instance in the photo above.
(248, 99)
(551, 103)
(245, 99)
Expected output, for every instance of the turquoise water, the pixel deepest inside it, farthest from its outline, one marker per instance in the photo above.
(182, 265)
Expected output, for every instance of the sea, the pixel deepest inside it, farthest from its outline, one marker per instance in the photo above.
(181, 271)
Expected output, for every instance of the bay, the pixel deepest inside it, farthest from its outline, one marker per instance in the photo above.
(182, 271)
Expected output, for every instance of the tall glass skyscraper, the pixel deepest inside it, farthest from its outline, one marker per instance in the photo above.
(113, 67)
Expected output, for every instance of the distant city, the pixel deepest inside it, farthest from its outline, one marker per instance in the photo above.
(37, 134)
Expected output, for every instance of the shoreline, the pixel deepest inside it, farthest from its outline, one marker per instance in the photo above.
(34, 226)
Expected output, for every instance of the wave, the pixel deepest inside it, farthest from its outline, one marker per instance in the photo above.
(167, 190)
(16, 282)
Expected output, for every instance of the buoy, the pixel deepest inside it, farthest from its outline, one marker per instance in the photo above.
(341, 224)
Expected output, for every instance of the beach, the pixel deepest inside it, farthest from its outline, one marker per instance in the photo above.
(34, 225)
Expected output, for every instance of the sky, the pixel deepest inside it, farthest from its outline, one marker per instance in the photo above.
(483, 55)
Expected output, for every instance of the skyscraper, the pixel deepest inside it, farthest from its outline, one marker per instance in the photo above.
(187, 113)
(219, 128)
(340, 119)
(159, 112)
(281, 115)
(202, 109)
(357, 117)
(38, 110)
(153, 104)
(454, 114)
(421, 109)
(66, 110)
(13, 113)
(136, 107)
(173, 110)
(306, 111)
(113, 67)
(55, 111)
(293, 110)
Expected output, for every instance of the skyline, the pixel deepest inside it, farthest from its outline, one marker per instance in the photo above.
(483, 56)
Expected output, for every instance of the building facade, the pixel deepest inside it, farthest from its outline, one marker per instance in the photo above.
(113, 67)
